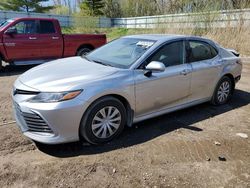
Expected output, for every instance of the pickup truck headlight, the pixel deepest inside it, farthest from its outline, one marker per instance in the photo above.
(54, 97)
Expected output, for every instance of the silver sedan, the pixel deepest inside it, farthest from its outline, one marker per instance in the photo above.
(126, 81)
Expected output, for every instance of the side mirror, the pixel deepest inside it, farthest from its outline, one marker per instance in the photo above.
(11, 31)
(154, 67)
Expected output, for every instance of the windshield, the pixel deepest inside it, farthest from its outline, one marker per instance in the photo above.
(121, 53)
(4, 23)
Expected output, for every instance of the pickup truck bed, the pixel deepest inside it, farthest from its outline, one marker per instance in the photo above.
(91, 41)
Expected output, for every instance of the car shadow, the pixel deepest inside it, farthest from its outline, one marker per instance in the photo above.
(12, 70)
(150, 129)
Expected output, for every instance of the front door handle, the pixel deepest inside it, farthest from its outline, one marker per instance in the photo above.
(55, 38)
(32, 38)
(185, 72)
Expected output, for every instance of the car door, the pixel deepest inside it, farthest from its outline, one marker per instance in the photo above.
(206, 66)
(24, 44)
(51, 40)
(166, 89)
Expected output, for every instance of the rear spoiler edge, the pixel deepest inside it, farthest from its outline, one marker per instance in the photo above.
(234, 52)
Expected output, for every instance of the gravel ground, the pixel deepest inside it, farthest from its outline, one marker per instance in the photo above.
(195, 147)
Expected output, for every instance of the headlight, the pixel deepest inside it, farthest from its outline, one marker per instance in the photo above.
(54, 97)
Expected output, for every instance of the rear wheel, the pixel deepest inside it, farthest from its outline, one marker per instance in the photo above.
(83, 51)
(223, 91)
(103, 121)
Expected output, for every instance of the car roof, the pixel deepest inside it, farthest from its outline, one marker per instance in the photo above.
(33, 18)
(164, 37)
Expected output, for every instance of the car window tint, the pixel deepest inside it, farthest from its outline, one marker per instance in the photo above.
(46, 27)
(199, 51)
(26, 27)
(170, 54)
(213, 52)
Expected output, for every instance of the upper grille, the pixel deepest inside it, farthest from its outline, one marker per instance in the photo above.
(24, 92)
(33, 121)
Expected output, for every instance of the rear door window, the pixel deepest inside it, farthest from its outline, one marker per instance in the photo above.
(46, 27)
(199, 51)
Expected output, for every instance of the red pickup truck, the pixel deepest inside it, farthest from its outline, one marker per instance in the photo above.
(37, 40)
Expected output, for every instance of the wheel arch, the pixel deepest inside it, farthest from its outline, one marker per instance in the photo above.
(85, 45)
(2, 58)
(231, 77)
(129, 110)
(122, 99)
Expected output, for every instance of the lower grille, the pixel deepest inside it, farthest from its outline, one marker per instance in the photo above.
(34, 122)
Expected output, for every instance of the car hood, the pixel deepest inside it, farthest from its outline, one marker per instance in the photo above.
(64, 74)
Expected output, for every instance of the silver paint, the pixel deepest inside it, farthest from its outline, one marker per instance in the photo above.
(175, 88)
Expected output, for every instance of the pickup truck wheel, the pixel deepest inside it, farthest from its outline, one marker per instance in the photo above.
(1, 64)
(83, 51)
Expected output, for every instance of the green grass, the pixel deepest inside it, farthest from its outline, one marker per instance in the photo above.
(112, 33)
(67, 30)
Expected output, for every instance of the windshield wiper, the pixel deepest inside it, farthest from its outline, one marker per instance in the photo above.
(99, 62)
(86, 58)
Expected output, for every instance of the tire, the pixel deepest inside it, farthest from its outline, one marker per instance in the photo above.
(1, 64)
(223, 91)
(94, 123)
(83, 51)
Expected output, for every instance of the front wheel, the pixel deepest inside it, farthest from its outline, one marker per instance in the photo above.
(104, 120)
(223, 91)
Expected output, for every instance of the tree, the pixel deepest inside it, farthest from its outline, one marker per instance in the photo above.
(139, 8)
(112, 9)
(25, 5)
(60, 9)
(155, 7)
(238, 4)
(92, 7)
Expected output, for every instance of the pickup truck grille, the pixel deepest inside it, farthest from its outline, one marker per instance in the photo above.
(33, 121)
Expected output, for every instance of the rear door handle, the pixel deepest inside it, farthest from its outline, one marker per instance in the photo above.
(55, 38)
(32, 38)
(185, 72)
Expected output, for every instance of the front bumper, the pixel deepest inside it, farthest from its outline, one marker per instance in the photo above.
(49, 123)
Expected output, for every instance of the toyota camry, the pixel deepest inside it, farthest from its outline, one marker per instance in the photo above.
(128, 80)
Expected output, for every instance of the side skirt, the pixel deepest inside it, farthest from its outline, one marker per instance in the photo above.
(168, 110)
